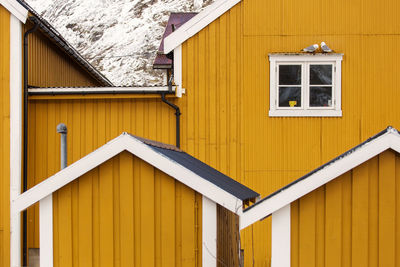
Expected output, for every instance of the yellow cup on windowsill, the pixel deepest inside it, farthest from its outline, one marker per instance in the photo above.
(292, 103)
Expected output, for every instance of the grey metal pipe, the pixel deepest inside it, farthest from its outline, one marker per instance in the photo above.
(62, 129)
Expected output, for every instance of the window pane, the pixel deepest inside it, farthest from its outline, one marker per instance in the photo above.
(289, 74)
(321, 74)
(320, 96)
(289, 96)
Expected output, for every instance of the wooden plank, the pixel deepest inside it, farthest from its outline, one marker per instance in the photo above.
(147, 214)
(346, 219)
(333, 221)
(360, 215)
(373, 212)
(294, 230)
(187, 226)
(387, 210)
(168, 216)
(106, 215)
(126, 209)
(307, 231)
(137, 211)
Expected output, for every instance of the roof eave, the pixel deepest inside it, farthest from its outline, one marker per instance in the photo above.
(16, 9)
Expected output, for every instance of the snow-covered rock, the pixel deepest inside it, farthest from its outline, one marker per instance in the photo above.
(118, 37)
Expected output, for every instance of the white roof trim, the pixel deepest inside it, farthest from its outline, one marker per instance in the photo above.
(390, 139)
(139, 149)
(197, 23)
(16, 9)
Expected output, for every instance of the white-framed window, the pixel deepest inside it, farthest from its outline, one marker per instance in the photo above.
(305, 85)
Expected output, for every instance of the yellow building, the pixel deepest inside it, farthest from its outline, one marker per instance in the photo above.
(254, 106)
(344, 213)
(49, 61)
(140, 203)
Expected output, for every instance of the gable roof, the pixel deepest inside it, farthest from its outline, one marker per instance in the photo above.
(386, 139)
(167, 158)
(16, 9)
(50, 32)
(175, 20)
(197, 23)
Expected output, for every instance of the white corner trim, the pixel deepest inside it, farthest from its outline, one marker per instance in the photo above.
(46, 231)
(139, 149)
(209, 232)
(15, 9)
(15, 134)
(267, 206)
(178, 70)
(197, 23)
(280, 239)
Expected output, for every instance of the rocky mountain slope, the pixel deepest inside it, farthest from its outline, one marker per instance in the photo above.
(118, 37)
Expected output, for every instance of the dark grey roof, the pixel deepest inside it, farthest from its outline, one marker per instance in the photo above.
(345, 154)
(57, 38)
(203, 170)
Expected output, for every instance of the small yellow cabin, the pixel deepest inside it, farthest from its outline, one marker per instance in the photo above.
(138, 203)
(344, 213)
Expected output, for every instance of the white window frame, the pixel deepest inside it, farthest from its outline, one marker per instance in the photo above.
(305, 60)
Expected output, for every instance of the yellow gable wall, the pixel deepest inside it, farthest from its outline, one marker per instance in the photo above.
(226, 75)
(353, 220)
(4, 137)
(127, 213)
(49, 66)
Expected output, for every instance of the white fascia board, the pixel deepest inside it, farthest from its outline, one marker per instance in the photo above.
(80, 90)
(15, 133)
(264, 209)
(15, 9)
(197, 23)
(139, 149)
(68, 174)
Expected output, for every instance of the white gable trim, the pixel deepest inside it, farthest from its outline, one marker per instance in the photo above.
(16, 9)
(139, 149)
(197, 23)
(390, 139)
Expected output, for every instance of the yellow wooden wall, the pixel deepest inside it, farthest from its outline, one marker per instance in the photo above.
(127, 213)
(353, 220)
(4, 137)
(91, 123)
(226, 76)
(49, 66)
(225, 119)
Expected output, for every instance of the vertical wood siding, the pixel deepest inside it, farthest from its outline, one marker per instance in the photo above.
(226, 75)
(225, 119)
(4, 137)
(127, 213)
(351, 221)
(227, 238)
(49, 66)
(91, 123)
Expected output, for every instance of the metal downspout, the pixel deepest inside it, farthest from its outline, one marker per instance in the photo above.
(177, 114)
(25, 134)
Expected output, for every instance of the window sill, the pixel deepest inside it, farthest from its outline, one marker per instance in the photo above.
(305, 113)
